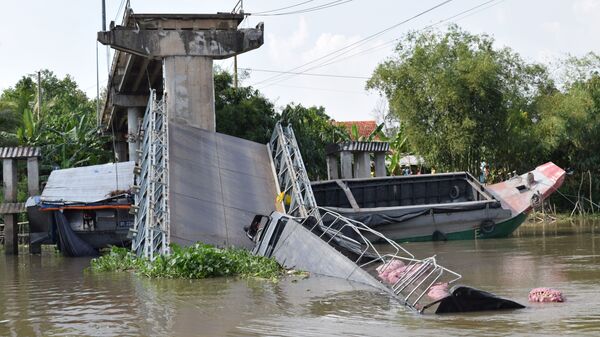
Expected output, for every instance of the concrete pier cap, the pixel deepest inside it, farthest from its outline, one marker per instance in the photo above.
(172, 54)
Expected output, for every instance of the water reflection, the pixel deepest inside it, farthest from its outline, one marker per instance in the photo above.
(53, 296)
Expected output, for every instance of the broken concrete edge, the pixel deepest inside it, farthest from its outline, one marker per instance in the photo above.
(217, 44)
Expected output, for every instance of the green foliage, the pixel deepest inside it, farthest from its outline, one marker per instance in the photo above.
(568, 129)
(194, 262)
(460, 98)
(398, 148)
(9, 122)
(314, 129)
(117, 259)
(65, 129)
(242, 112)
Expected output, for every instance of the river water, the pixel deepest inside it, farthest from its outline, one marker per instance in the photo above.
(53, 296)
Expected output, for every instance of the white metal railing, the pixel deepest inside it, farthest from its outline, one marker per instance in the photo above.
(373, 249)
(151, 225)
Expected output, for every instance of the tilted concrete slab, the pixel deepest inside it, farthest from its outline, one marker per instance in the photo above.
(217, 184)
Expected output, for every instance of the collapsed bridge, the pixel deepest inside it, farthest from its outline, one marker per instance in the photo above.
(196, 185)
(192, 183)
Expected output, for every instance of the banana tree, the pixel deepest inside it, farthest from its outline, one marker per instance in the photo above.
(398, 147)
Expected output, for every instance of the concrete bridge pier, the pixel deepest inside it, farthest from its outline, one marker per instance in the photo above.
(134, 116)
(185, 46)
(190, 90)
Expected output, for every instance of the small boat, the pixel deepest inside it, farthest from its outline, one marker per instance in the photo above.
(84, 209)
(448, 206)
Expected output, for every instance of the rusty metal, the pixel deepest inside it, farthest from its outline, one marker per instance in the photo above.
(19, 152)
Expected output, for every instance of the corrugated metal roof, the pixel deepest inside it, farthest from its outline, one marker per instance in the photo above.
(19, 152)
(358, 147)
(12, 208)
(88, 184)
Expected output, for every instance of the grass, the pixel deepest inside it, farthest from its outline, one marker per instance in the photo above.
(194, 262)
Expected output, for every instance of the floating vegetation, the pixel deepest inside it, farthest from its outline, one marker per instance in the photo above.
(193, 262)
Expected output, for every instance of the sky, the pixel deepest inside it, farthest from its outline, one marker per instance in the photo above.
(60, 35)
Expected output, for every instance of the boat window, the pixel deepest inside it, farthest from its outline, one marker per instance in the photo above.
(522, 188)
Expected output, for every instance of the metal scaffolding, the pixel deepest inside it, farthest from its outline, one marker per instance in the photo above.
(151, 227)
(296, 193)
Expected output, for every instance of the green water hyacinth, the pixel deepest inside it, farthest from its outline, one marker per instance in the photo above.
(193, 262)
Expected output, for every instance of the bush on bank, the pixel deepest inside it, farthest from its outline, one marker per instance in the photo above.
(193, 262)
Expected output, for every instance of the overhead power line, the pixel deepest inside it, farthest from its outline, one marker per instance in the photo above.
(354, 45)
(283, 8)
(306, 74)
(396, 40)
(309, 9)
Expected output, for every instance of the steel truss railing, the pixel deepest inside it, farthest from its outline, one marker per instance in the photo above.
(151, 226)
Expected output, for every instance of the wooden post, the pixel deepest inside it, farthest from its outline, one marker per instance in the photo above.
(591, 200)
(9, 175)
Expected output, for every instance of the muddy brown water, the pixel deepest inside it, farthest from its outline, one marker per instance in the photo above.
(52, 296)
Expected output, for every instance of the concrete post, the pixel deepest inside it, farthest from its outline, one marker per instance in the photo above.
(33, 188)
(9, 175)
(33, 176)
(190, 90)
(121, 150)
(346, 162)
(332, 167)
(380, 164)
(133, 116)
(362, 165)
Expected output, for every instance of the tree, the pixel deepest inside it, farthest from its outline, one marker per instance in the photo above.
(9, 122)
(569, 124)
(65, 130)
(314, 129)
(460, 99)
(242, 112)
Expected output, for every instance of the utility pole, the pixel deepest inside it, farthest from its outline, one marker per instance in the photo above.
(39, 95)
(238, 8)
(103, 15)
(235, 72)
